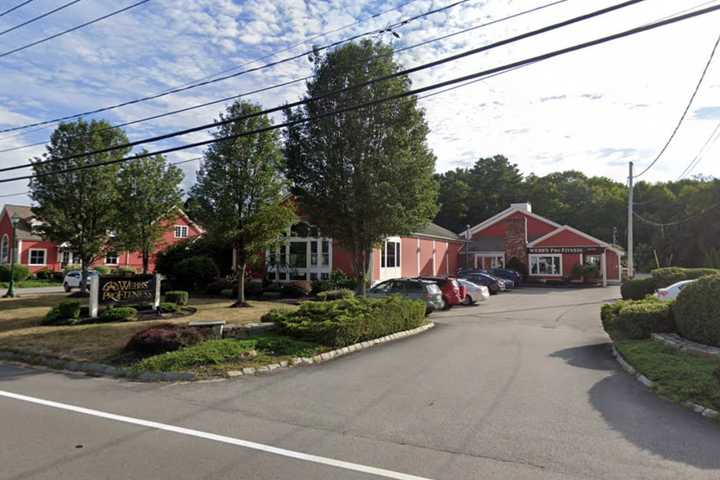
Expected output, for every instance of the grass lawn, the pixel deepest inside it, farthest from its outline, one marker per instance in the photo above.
(31, 283)
(677, 375)
(20, 328)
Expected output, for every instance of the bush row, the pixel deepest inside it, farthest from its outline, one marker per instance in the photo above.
(638, 289)
(343, 322)
(697, 311)
(637, 319)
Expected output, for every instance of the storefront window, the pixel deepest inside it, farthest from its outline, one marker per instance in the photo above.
(298, 254)
(550, 265)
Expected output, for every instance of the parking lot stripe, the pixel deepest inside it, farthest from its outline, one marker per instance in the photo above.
(379, 472)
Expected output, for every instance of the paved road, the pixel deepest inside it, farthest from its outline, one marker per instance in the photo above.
(521, 387)
(39, 290)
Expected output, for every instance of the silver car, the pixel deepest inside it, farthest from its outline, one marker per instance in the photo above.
(73, 278)
(474, 292)
(411, 288)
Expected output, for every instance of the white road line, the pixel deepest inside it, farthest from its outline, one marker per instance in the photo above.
(380, 472)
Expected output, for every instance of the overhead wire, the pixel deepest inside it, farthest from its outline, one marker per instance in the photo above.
(40, 17)
(12, 9)
(412, 92)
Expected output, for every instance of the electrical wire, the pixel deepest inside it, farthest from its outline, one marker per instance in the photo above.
(40, 17)
(438, 85)
(305, 101)
(15, 8)
(678, 222)
(698, 158)
(234, 97)
(313, 51)
(70, 30)
(687, 108)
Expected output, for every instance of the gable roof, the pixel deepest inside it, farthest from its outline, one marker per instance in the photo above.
(436, 231)
(577, 232)
(503, 215)
(24, 227)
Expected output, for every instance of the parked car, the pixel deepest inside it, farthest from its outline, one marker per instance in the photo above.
(494, 284)
(412, 288)
(507, 274)
(452, 293)
(73, 278)
(474, 292)
(505, 283)
(670, 293)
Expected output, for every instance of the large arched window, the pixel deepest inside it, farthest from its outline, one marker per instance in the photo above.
(4, 249)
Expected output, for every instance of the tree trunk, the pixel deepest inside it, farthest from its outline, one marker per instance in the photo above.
(145, 260)
(83, 278)
(365, 271)
(241, 286)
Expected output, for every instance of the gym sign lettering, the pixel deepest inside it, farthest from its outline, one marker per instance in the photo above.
(127, 290)
(585, 250)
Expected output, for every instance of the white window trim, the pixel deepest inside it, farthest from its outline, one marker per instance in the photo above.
(45, 259)
(5, 256)
(273, 272)
(538, 255)
(117, 259)
(181, 227)
(398, 253)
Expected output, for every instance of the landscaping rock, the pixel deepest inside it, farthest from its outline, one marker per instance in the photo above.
(234, 373)
(248, 371)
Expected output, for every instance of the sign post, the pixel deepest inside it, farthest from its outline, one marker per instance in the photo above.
(94, 295)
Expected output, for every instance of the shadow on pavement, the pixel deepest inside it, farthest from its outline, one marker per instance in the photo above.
(594, 357)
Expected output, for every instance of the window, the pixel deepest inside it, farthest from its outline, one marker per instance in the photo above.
(325, 257)
(111, 258)
(181, 231)
(550, 265)
(298, 254)
(4, 249)
(38, 257)
(390, 254)
(313, 253)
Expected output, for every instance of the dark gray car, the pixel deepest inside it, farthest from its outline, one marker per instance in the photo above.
(411, 288)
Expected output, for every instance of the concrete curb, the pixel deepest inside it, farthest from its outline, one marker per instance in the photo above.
(695, 407)
(102, 370)
(677, 342)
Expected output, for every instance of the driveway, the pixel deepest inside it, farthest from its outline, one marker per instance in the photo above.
(520, 387)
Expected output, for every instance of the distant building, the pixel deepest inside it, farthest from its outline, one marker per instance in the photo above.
(39, 254)
(549, 250)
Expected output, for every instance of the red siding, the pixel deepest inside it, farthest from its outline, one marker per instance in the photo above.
(426, 261)
(566, 238)
(341, 259)
(535, 228)
(408, 257)
(613, 272)
(441, 260)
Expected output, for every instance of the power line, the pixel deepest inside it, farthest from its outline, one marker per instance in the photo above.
(465, 78)
(313, 51)
(15, 7)
(678, 222)
(687, 108)
(698, 158)
(400, 73)
(39, 17)
(70, 30)
(233, 97)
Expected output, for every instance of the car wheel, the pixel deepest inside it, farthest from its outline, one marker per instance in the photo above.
(468, 300)
(446, 304)
(67, 288)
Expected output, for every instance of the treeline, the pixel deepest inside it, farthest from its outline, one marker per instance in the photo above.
(596, 205)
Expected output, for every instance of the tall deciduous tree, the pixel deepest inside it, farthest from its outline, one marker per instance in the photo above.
(150, 195)
(239, 194)
(77, 207)
(366, 174)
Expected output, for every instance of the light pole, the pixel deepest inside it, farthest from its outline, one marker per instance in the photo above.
(467, 246)
(11, 287)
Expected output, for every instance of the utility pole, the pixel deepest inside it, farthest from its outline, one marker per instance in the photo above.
(615, 236)
(630, 262)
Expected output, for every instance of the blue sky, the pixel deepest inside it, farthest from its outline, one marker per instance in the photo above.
(592, 111)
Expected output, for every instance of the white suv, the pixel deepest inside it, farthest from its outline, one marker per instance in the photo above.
(73, 278)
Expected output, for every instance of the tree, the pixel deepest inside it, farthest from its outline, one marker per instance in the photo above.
(366, 174)
(239, 194)
(77, 207)
(150, 195)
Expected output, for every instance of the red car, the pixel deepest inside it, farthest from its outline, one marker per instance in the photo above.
(452, 292)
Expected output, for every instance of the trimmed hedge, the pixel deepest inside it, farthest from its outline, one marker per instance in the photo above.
(343, 322)
(637, 289)
(338, 281)
(164, 338)
(20, 273)
(179, 297)
(697, 311)
(664, 277)
(117, 314)
(168, 307)
(66, 312)
(297, 289)
(195, 273)
(211, 352)
(637, 319)
(335, 294)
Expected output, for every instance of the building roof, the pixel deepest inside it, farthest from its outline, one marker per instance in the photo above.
(24, 227)
(578, 233)
(514, 208)
(436, 231)
(487, 244)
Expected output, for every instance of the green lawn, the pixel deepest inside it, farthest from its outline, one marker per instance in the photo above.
(677, 375)
(32, 283)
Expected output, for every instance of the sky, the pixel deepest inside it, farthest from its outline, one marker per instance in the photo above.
(593, 110)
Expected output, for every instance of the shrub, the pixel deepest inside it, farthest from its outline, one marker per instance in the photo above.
(44, 274)
(117, 314)
(344, 322)
(210, 352)
(66, 312)
(338, 280)
(195, 273)
(164, 338)
(216, 287)
(228, 293)
(610, 312)
(638, 320)
(20, 273)
(697, 311)
(179, 297)
(168, 307)
(276, 315)
(69, 309)
(664, 277)
(296, 289)
(72, 267)
(281, 346)
(516, 264)
(58, 276)
(101, 270)
(335, 294)
(637, 289)
(123, 272)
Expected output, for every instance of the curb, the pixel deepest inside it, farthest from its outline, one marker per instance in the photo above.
(103, 370)
(695, 407)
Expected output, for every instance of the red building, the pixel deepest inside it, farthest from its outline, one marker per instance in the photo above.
(305, 254)
(549, 250)
(39, 254)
